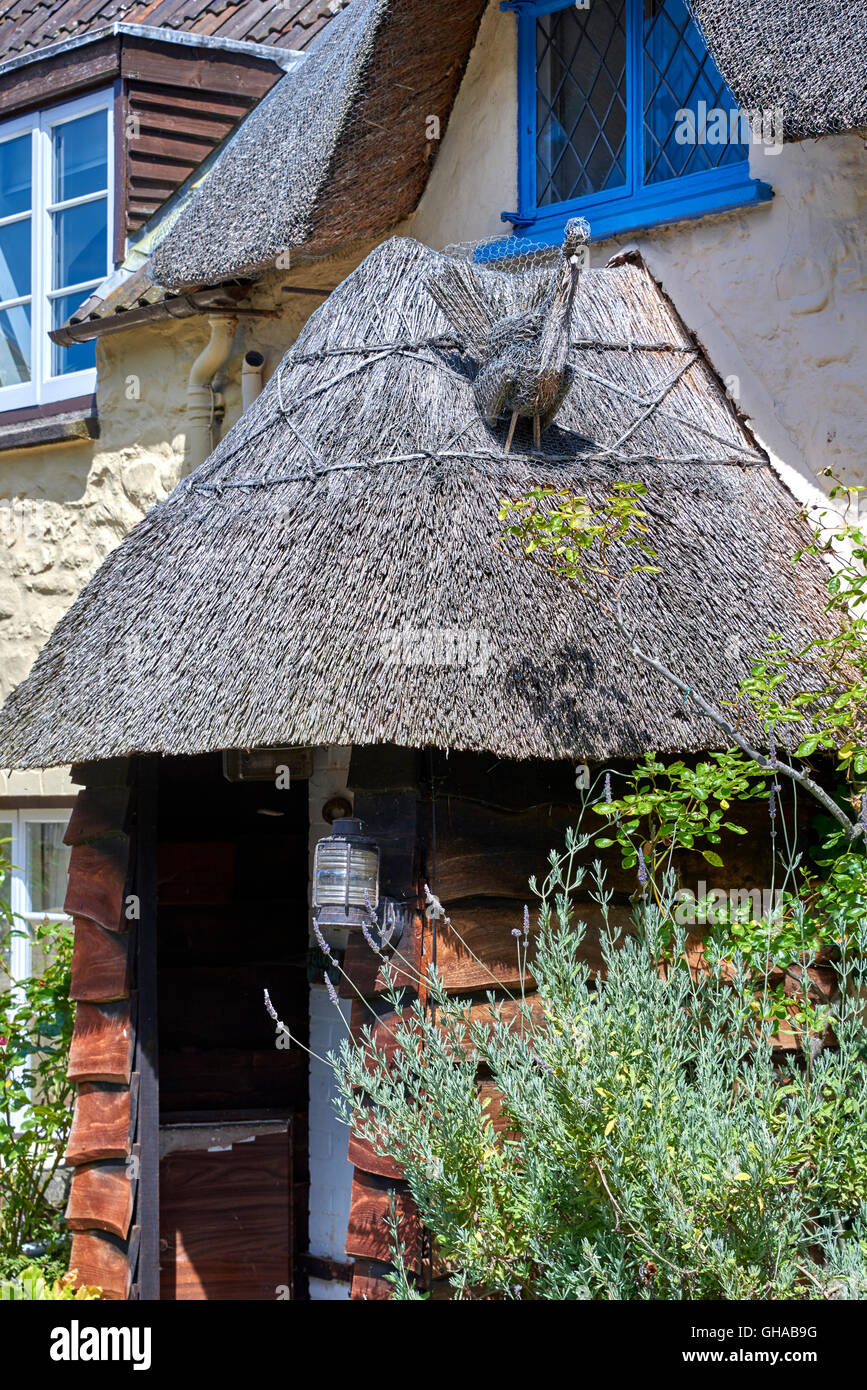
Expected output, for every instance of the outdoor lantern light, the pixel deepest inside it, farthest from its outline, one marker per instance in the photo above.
(345, 876)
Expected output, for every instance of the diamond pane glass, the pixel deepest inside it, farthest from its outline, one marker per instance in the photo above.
(580, 101)
(679, 75)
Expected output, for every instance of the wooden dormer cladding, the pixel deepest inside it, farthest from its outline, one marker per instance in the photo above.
(174, 103)
(177, 106)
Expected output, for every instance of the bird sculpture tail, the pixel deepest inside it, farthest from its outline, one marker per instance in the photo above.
(455, 291)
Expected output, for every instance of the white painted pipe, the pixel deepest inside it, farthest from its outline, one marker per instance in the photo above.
(251, 377)
(200, 392)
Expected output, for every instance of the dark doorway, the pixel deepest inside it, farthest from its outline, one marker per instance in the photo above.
(231, 921)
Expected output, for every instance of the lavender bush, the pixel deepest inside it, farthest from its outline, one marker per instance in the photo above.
(651, 1145)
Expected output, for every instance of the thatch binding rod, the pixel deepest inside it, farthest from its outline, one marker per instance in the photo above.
(457, 344)
(472, 457)
(651, 405)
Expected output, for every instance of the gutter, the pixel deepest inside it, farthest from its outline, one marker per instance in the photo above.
(180, 306)
(177, 306)
(285, 58)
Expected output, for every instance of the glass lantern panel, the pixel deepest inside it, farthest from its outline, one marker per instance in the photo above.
(342, 866)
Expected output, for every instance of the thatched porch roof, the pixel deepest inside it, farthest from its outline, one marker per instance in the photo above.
(330, 575)
(339, 150)
(808, 59)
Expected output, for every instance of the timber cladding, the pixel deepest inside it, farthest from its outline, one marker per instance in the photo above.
(102, 1190)
(482, 828)
(177, 107)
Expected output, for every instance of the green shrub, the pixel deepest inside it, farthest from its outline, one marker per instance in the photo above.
(33, 1285)
(655, 1146)
(36, 1019)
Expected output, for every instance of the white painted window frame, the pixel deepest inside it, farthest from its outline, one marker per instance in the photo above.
(21, 953)
(43, 388)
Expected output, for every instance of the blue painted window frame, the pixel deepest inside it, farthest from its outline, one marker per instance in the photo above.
(635, 206)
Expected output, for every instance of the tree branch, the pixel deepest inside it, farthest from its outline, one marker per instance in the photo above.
(852, 828)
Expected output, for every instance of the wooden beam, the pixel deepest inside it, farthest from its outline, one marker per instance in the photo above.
(367, 1236)
(101, 1123)
(98, 812)
(369, 1284)
(147, 1274)
(101, 1259)
(61, 76)
(97, 881)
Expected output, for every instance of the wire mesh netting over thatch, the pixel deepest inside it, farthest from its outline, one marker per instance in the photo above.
(809, 61)
(331, 575)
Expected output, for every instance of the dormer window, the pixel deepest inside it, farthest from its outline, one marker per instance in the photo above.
(623, 118)
(56, 199)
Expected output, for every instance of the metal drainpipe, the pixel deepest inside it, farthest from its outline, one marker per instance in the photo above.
(251, 377)
(202, 400)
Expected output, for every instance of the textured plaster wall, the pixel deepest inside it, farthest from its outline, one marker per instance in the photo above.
(777, 296)
(475, 177)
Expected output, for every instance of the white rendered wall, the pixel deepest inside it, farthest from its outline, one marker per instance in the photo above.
(330, 1170)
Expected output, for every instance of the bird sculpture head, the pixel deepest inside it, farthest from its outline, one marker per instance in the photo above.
(575, 237)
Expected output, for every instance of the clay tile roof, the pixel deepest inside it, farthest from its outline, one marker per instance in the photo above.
(26, 25)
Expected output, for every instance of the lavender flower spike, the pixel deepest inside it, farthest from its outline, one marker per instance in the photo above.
(608, 796)
(526, 923)
(642, 868)
(369, 938)
(323, 944)
(332, 992)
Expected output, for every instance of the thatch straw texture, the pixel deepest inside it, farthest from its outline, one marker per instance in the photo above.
(810, 60)
(330, 574)
(339, 150)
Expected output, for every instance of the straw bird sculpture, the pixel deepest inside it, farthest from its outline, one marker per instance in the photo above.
(523, 366)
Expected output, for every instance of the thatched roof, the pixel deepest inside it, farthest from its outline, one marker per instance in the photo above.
(330, 575)
(339, 151)
(810, 60)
